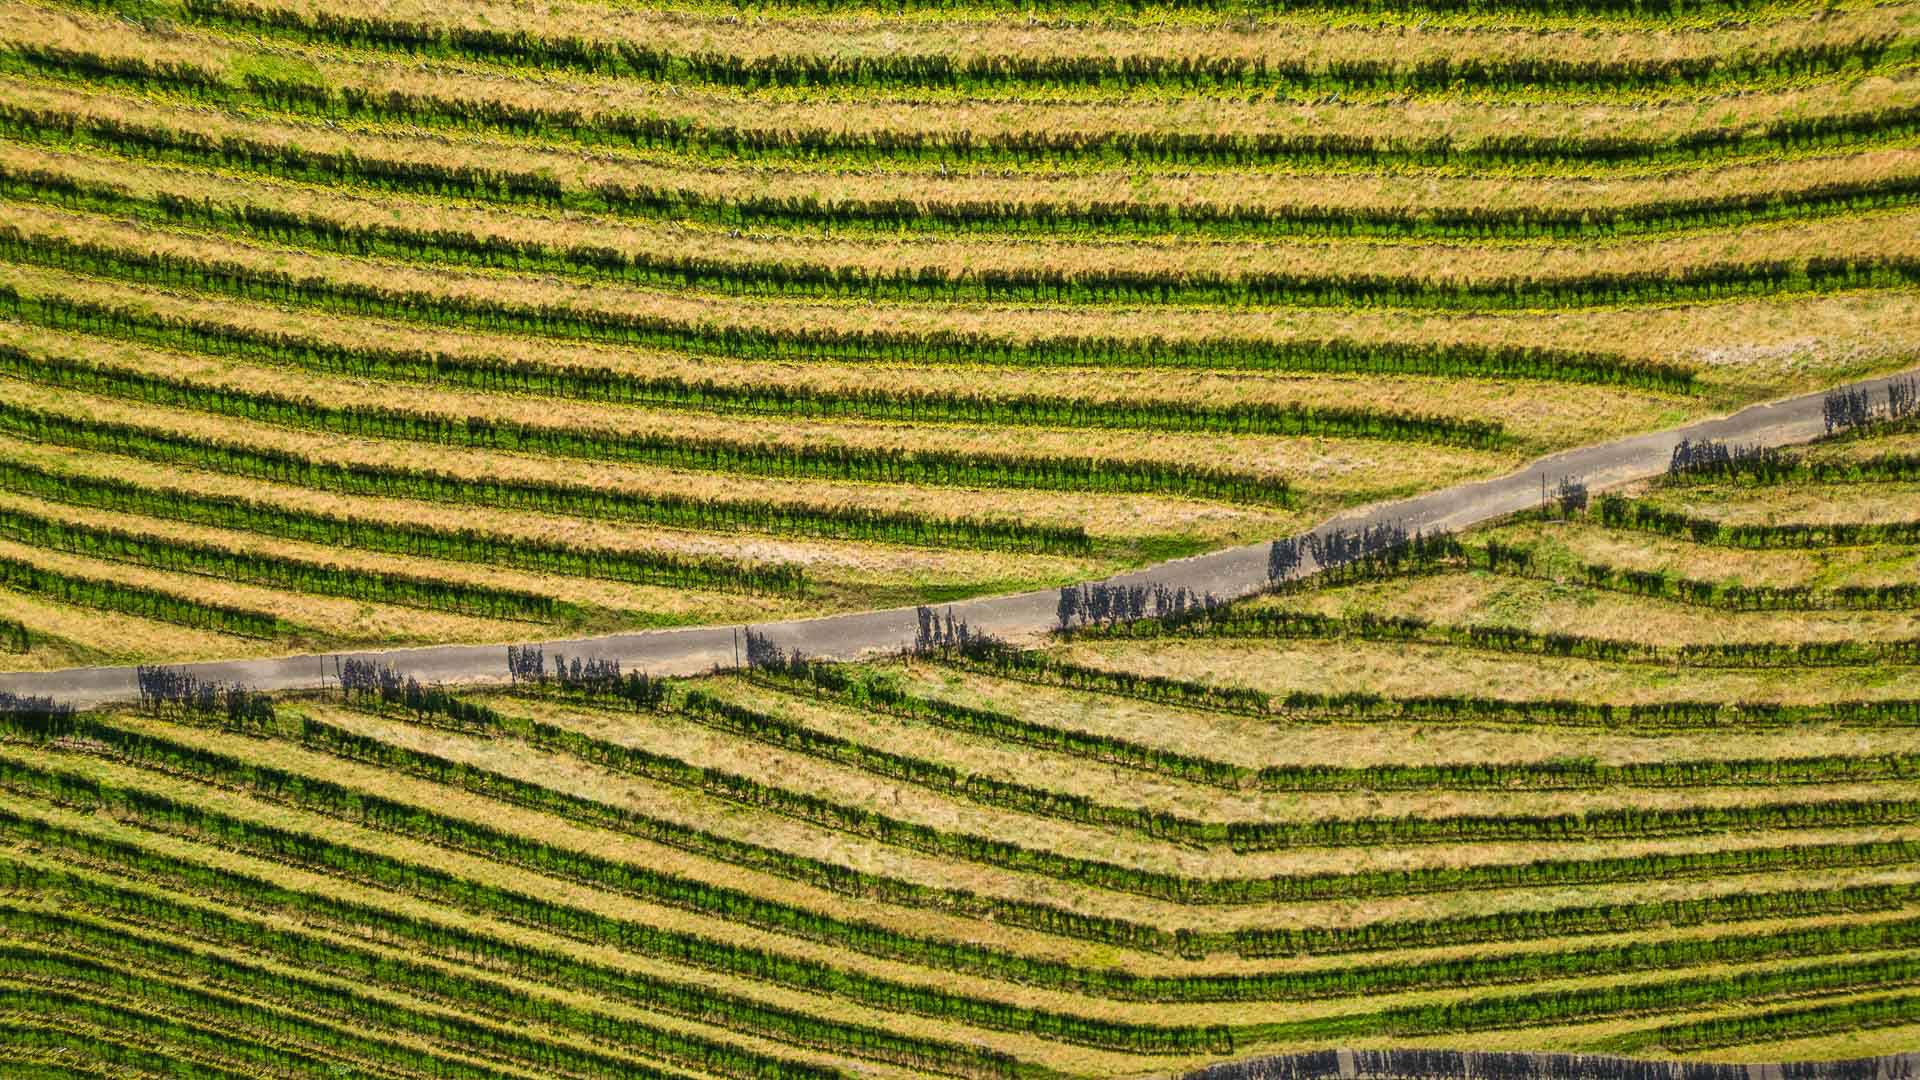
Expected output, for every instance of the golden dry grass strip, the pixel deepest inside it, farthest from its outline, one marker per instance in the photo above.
(1750, 347)
(1420, 119)
(1275, 189)
(1890, 234)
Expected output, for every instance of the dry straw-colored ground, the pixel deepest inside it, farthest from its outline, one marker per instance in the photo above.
(1746, 349)
(1314, 42)
(1457, 118)
(1273, 188)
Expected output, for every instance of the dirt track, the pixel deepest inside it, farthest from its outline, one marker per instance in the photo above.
(1230, 573)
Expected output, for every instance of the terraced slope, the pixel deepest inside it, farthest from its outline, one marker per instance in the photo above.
(336, 325)
(1641, 778)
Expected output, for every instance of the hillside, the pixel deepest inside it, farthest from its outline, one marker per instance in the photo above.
(334, 325)
(330, 329)
(1636, 778)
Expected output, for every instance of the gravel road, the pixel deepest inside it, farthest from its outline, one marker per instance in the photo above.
(1230, 573)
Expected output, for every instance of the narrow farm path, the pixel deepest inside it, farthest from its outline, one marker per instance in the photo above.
(1229, 573)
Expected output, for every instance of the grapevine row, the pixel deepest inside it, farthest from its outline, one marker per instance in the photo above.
(936, 348)
(702, 141)
(145, 603)
(58, 1036)
(465, 945)
(920, 467)
(1442, 553)
(341, 1032)
(277, 571)
(1240, 836)
(371, 534)
(1283, 624)
(501, 1002)
(196, 1047)
(593, 383)
(1777, 1025)
(1551, 1008)
(1645, 13)
(1001, 72)
(1291, 888)
(1726, 596)
(565, 322)
(1892, 468)
(984, 284)
(543, 496)
(1617, 512)
(872, 694)
(1039, 214)
(1169, 886)
(1038, 667)
(726, 716)
(579, 923)
(166, 814)
(83, 893)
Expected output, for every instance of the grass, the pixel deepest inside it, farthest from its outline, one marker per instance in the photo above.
(573, 181)
(221, 64)
(874, 236)
(784, 41)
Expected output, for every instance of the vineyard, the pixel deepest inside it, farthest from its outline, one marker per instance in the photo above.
(1633, 774)
(335, 326)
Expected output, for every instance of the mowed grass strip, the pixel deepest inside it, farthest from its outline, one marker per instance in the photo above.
(170, 815)
(1861, 114)
(160, 605)
(1482, 64)
(878, 693)
(1057, 273)
(479, 1016)
(876, 465)
(458, 945)
(464, 945)
(1220, 353)
(589, 383)
(331, 739)
(1031, 210)
(249, 1017)
(122, 1033)
(1594, 1004)
(259, 568)
(394, 537)
(1279, 624)
(575, 500)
